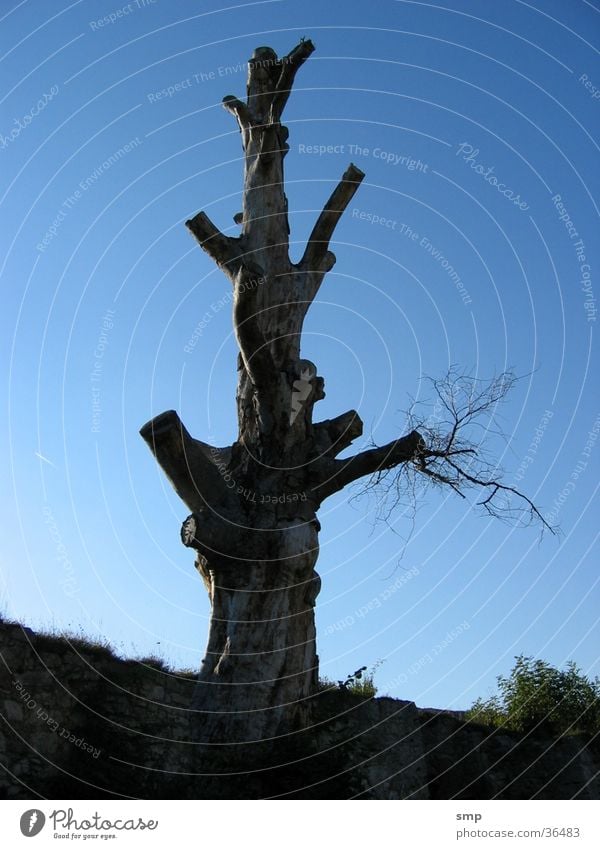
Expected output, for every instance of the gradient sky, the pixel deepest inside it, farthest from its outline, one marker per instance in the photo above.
(112, 134)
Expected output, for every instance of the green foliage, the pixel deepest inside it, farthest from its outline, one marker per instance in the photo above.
(360, 683)
(536, 695)
(364, 686)
(353, 680)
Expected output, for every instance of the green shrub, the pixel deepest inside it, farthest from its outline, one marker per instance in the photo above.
(360, 683)
(364, 686)
(536, 695)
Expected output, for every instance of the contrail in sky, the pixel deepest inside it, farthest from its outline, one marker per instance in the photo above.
(45, 459)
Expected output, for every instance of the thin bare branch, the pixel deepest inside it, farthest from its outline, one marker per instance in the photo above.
(490, 503)
(450, 455)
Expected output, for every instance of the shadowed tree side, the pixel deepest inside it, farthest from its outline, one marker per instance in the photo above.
(254, 504)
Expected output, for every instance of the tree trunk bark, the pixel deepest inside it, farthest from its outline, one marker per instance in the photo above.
(253, 522)
(260, 667)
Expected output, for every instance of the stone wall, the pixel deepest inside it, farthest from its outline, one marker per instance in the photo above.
(79, 723)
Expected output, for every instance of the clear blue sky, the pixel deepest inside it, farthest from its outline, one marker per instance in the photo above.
(103, 287)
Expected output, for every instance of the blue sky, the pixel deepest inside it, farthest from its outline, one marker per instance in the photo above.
(476, 125)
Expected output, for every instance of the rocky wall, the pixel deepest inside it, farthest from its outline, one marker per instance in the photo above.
(79, 723)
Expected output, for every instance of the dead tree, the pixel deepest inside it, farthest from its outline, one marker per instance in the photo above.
(254, 504)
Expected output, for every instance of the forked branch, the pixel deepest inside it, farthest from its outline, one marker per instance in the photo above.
(289, 67)
(270, 80)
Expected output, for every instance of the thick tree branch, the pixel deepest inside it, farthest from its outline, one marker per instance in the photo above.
(239, 110)
(334, 435)
(188, 463)
(263, 73)
(375, 460)
(290, 65)
(317, 249)
(224, 250)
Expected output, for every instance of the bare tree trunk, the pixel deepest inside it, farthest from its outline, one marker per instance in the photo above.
(253, 521)
(254, 504)
(260, 666)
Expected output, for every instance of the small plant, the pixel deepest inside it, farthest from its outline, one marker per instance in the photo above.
(536, 695)
(352, 680)
(361, 682)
